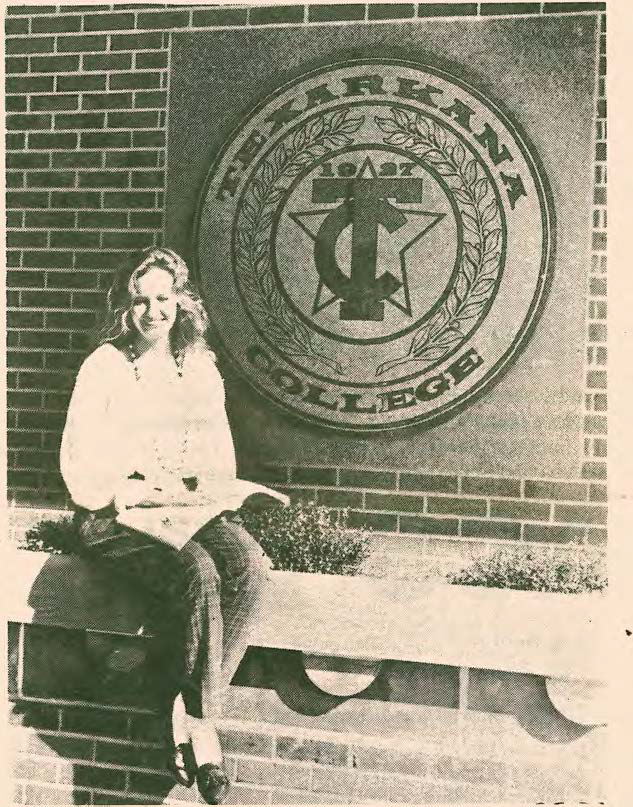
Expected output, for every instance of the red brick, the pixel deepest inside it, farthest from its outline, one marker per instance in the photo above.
(392, 501)
(130, 755)
(34, 769)
(30, 84)
(26, 239)
(49, 795)
(28, 122)
(146, 41)
(101, 140)
(145, 220)
(335, 13)
(450, 505)
(340, 498)
(54, 64)
(26, 279)
(314, 476)
(19, 26)
(26, 44)
(155, 99)
(276, 15)
(580, 514)
(107, 100)
(552, 533)
(52, 140)
(520, 510)
(15, 140)
(431, 483)
(81, 43)
(597, 493)
(108, 22)
(76, 159)
(391, 11)
(14, 179)
(131, 239)
(326, 780)
(17, 160)
(15, 103)
(137, 80)
(219, 16)
(133, 120)
(594, 470)
(149, 61)
(74, 238)
(376, 521)
(597, 536)
(430, 526)
(163, 19)
(485, 485)
(243, 742)
(80, 120)
(148, 139)
(50, 179)
(501, 530)
(76, 199)
(45, 260)
(53, 218)
(58, 24)
(240, 794)
(352, 478)
(103, 179)
(132, 159)
(147, 179)
(267, 772)
(88, 82)
(550, 489)
(306, 750)
(102, 220)
(72, 280)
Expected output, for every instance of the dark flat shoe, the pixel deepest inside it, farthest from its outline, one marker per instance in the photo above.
(213, 783)
(181, 763)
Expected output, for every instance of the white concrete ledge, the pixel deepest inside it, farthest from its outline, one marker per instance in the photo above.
(555, 635)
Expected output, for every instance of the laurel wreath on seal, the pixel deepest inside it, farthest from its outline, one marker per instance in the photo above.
(252, 245)
(480, 263)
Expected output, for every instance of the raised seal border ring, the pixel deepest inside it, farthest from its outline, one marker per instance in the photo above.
(524, 329)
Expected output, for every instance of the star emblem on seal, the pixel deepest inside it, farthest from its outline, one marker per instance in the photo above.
(364, 203)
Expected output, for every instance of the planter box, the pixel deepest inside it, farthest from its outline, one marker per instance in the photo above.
(554, 635)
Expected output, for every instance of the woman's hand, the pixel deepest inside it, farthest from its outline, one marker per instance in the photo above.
(163, 493)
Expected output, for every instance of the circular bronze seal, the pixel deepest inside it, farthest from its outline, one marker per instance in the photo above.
(375, 245)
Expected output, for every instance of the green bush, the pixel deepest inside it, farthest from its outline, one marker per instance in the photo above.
(568, 571)
(307, 538)
(298, 538)
(59, 537)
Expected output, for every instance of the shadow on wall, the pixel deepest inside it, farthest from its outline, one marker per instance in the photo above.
(106, 659)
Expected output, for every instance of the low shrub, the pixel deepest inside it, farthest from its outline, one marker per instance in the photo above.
(569, 571)
(298, 538)
(59, 537)
(307, 538)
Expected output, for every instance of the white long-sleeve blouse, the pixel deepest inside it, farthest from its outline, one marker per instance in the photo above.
(149, 421)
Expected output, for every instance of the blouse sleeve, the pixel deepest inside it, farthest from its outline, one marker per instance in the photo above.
(89, 460)
(214, 451)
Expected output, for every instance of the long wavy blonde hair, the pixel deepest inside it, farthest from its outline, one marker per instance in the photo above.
(191, 323)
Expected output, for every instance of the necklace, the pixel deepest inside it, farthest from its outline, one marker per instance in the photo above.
(160, 458)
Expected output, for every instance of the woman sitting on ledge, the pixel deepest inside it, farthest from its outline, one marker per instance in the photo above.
(147, 434)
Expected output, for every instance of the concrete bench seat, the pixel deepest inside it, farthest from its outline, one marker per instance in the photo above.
(553, 635)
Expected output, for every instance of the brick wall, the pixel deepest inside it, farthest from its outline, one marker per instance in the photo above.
(422, 733)
(86, 114)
